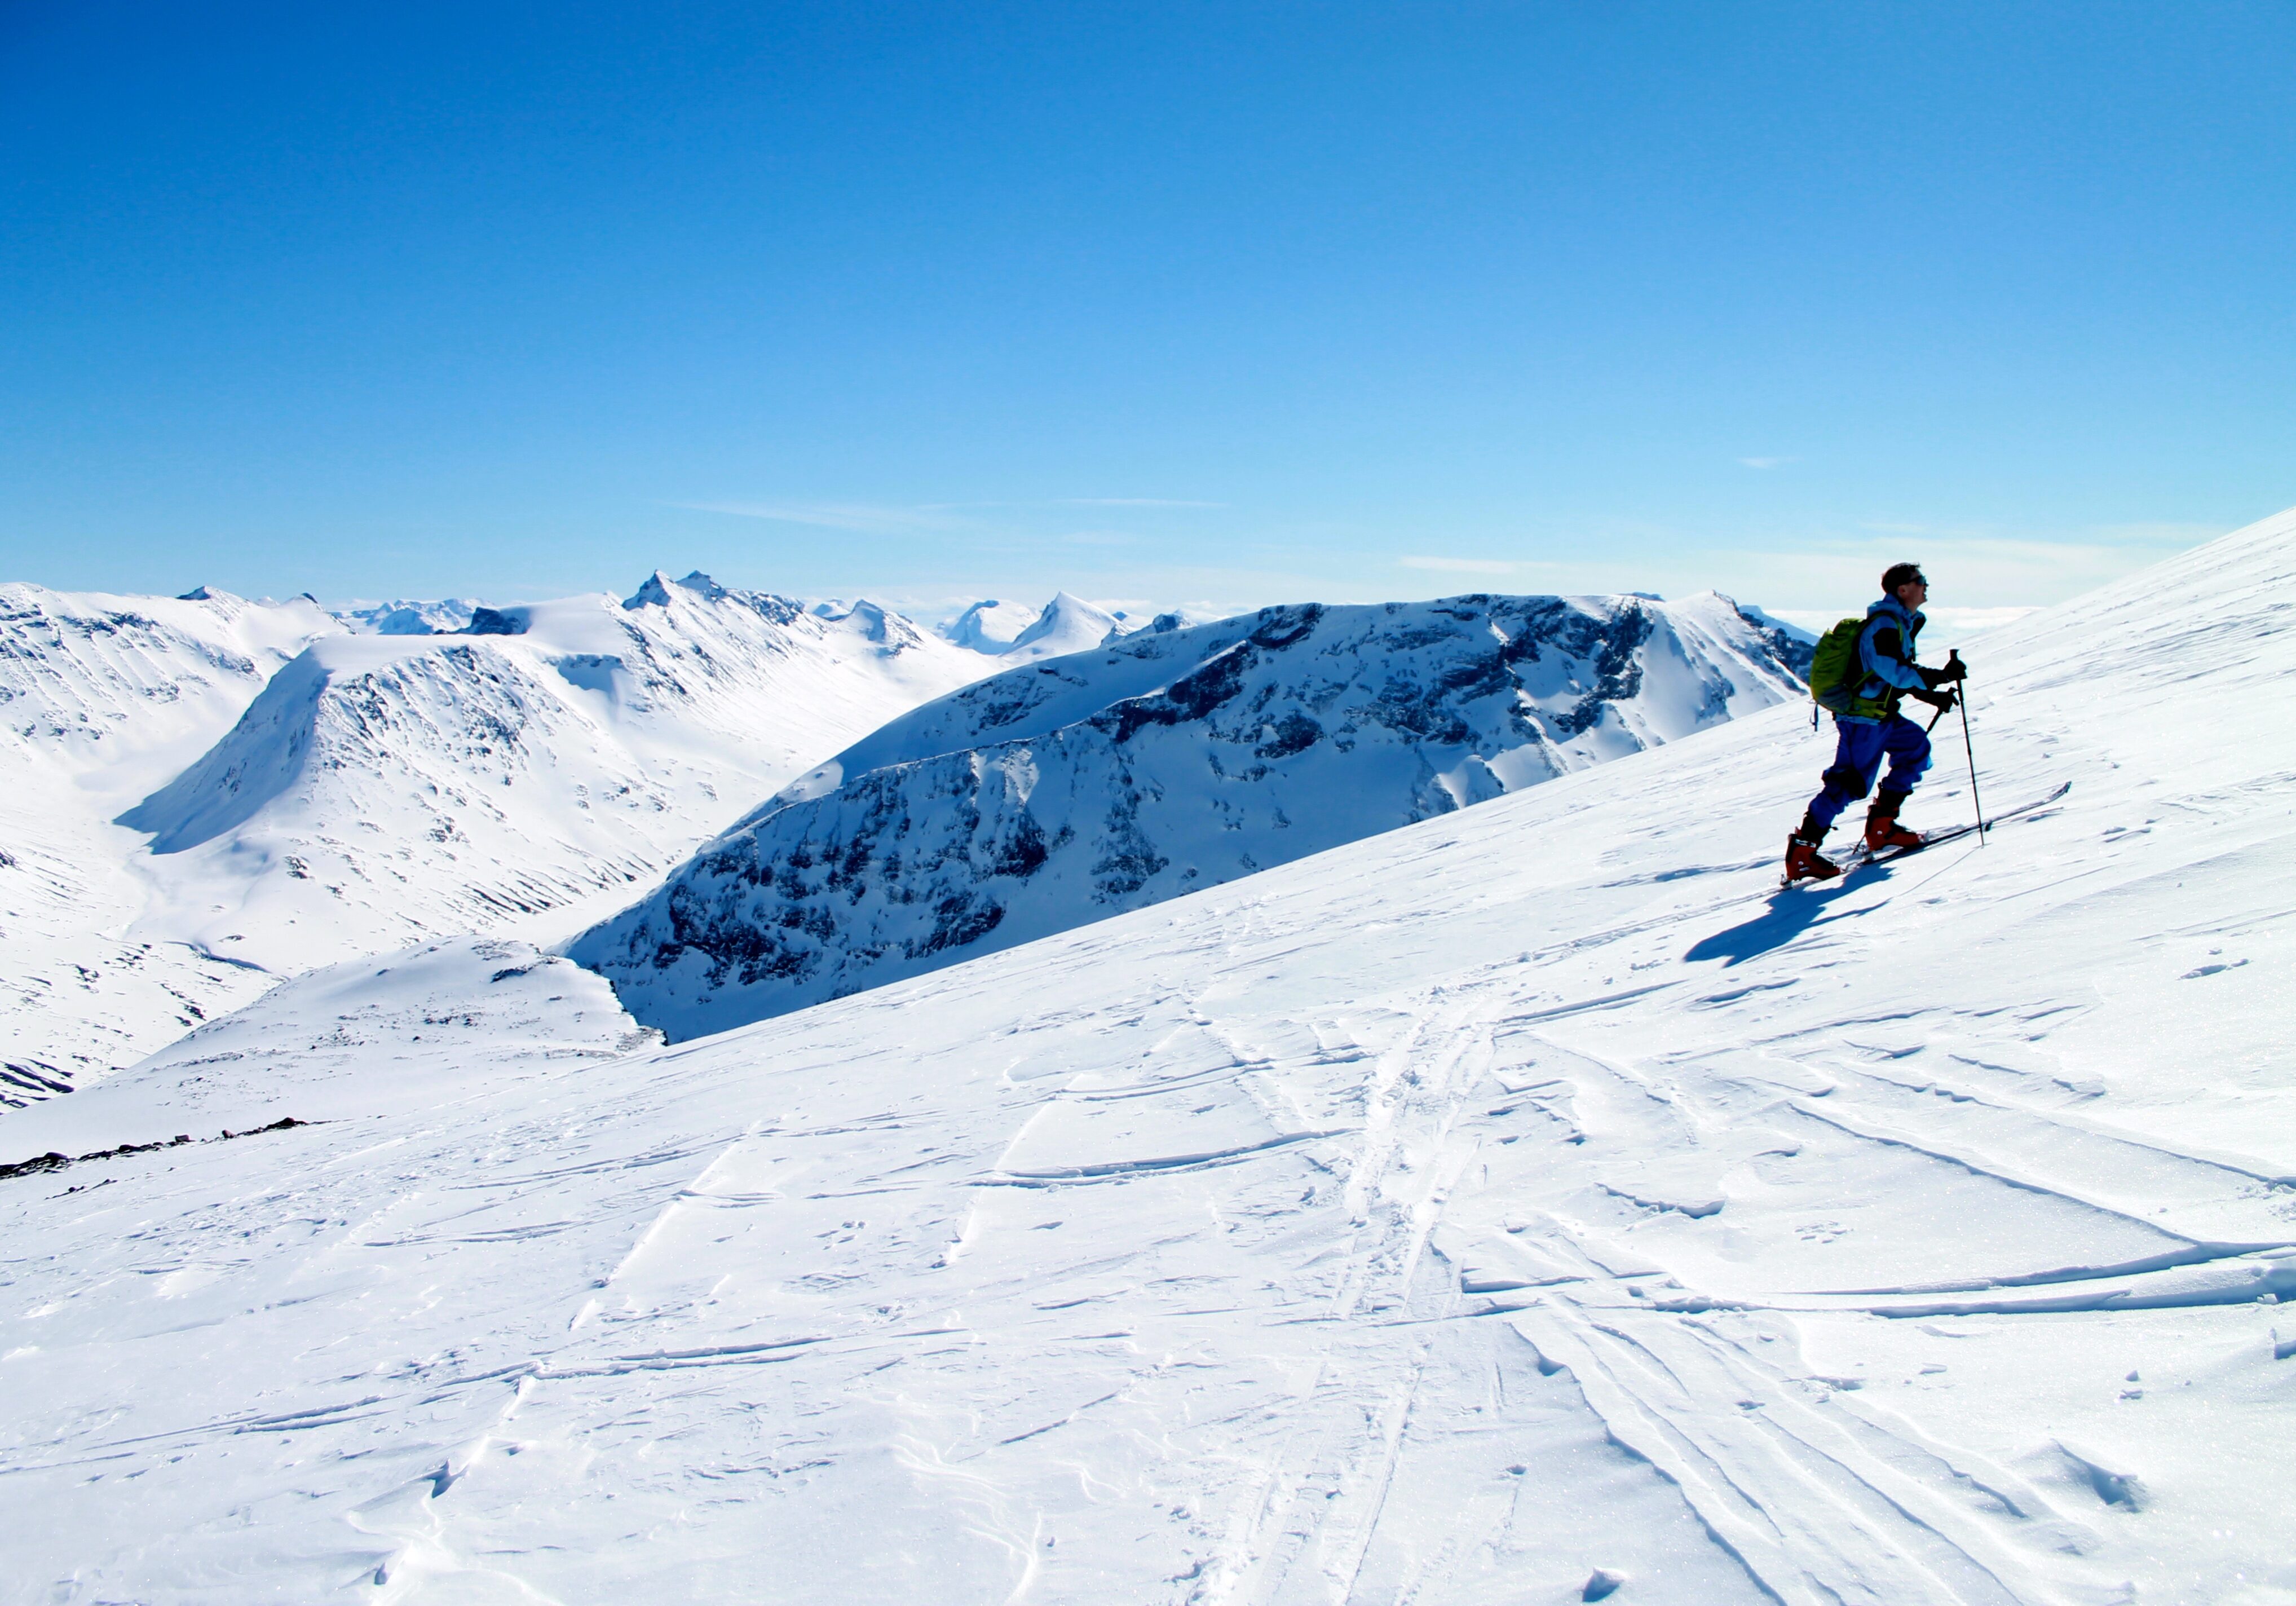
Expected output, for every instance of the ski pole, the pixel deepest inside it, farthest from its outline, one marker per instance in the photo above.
(1953, 655)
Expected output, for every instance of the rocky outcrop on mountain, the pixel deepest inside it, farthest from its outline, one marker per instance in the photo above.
(1159, 764)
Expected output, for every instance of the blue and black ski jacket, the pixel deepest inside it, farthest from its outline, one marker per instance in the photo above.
(1885, 653)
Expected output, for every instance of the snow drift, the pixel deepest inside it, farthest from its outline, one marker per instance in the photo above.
(1486, 1211)
(1159, 764)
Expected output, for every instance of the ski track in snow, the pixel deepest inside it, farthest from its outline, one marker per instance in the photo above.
(1443, 1218)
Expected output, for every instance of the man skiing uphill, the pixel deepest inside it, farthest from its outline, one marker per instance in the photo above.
(1864, 693)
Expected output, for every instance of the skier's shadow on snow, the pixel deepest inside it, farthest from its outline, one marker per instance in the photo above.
(1790, 911)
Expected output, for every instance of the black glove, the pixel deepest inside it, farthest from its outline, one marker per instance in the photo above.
(1955, 669)
(1939, 700)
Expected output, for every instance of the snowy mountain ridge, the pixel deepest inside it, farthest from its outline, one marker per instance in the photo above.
(1531, 1205)
(384, 787)
(447, 616)
(990, 625)
(1017, 633)
(103, 696)
(1164, 762)
(90, 680)
(1068, 624)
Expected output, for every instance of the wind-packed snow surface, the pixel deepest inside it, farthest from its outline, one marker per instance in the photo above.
(1526, 1204)
(420, 1029)
(1160, 764)
(388, 786)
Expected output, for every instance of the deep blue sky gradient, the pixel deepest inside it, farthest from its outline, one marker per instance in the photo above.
(1186, 302)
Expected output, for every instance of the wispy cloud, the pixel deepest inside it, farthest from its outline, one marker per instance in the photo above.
(1461, 565)
(2176, 537)
(1134, 502)
(1976, 571)
(865, 518)
(1768, 462)
(858, 517)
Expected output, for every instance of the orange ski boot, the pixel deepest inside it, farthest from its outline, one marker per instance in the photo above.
(1883, 831)
(1804, 863)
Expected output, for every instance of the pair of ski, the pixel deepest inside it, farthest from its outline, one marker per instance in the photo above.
(1861, 856)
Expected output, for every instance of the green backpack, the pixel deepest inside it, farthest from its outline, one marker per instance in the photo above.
(1834, 671)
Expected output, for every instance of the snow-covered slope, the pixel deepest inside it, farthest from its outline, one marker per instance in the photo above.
(415, 1031)
(1159, 764)
(1530, 1192)
(384, 787)
(102, 699)
(120, 685)
(387, 787)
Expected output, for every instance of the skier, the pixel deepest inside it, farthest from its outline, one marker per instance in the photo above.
(1871, 729)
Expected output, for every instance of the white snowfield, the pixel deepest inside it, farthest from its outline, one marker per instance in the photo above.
(1067, 791)
(1532, 1205)
(418, 1029)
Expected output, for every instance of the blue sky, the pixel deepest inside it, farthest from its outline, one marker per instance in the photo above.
(1219, 304)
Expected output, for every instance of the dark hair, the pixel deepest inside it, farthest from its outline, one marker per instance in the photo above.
(1898, 574)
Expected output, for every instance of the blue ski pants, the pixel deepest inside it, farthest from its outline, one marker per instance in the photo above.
(1857, 754)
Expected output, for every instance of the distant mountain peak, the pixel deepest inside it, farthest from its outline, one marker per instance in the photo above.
(446, 616)
(1020, 633)
(654, 593)
(660, 591)
(990, 625)
(1069, 624)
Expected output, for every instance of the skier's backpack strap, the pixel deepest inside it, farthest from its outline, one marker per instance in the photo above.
(1834, 671)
